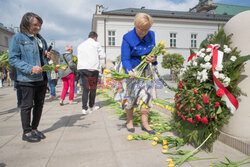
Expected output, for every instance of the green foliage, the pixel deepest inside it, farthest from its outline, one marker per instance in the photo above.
(170, 61)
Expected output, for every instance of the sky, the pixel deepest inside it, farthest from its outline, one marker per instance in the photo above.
(68, 22)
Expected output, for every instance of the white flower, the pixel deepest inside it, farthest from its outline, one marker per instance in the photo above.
(233, 58)
(202, 65)
(198, 77)
(225, 46)
(208, 66)
(216, 74)
(219, 67)
(222, 76)
(227, 79)
(203, 49)
(227, 50)
(195, 64)
(202, 55)
(207, 58)
(209, 50)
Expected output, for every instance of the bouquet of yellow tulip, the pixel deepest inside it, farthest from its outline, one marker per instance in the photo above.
(156, 51)
(51, 67)
(138, 70)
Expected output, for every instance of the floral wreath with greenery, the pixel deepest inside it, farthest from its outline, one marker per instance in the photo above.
(201, 106)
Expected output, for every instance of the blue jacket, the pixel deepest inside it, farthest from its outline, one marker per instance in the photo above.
(133, 48)
(24, 54)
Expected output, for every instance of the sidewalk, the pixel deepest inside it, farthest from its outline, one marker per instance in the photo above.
(74, 140)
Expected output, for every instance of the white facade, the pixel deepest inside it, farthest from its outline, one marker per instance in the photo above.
(183, 28)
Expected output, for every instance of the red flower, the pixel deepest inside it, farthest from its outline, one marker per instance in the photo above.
(187, 93)
(180, 85)
(217, 104)
(175, 100)
(190, 120)
(178, 106)
(197, 118)
(204, 120)
(183, 117)
(198, 107)
(213, 116)
(177, 95)
(205, 99)
(56, 70)
(178, 113)
(220, 92)
(192, 100)
(185, 106)
(195, 91)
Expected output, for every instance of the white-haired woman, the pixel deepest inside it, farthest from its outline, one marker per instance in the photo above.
(136, 43)
(67, 75)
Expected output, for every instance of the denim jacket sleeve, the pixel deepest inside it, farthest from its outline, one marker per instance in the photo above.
(15, 57)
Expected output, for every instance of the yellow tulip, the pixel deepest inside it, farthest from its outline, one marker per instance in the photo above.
(164, 151)
(155, 138)
(171, 164)
(158, 133)
(173, 109)
(74, 59)
(130, 137)
(164, 142)
(154, 143)
(165, 147)
(57, 66)
(106, 72)
(165, 51)
(63, 67)
(162, 42)
(169, 160)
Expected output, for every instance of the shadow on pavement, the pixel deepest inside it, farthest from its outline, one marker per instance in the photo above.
(13, 110)
(66, 121)
(2, 164)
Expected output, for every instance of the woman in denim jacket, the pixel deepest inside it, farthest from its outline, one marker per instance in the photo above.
(27, 53)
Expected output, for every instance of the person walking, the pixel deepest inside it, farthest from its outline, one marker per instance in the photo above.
(89, 54)
(67, 75)
(28, 53)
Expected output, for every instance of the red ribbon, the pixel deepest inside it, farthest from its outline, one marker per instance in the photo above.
(231, 98)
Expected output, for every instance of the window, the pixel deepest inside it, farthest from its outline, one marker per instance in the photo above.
(193, 40)
(6, 41)
(172, 39)
(111, 38)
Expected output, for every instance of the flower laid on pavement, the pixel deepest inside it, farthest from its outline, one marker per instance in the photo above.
(130, 137)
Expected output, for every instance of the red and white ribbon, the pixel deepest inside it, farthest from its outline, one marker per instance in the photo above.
(231, 101)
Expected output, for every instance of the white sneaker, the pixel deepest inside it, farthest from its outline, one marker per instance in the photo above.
(84, 112)
(90, 110)
(94, 108)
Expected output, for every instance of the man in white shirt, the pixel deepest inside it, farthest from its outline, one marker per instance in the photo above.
(89, 54)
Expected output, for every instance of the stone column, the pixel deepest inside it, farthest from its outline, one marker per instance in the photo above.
(239, 125)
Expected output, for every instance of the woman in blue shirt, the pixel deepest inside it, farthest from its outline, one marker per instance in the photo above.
(136, 43)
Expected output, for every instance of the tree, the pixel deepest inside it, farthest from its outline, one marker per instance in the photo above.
(174, 62)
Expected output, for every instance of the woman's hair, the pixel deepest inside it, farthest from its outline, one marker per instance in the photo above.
(27, 20)
(143, 19)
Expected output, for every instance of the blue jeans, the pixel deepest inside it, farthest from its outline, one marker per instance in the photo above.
(75, 87)
(52, 87)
